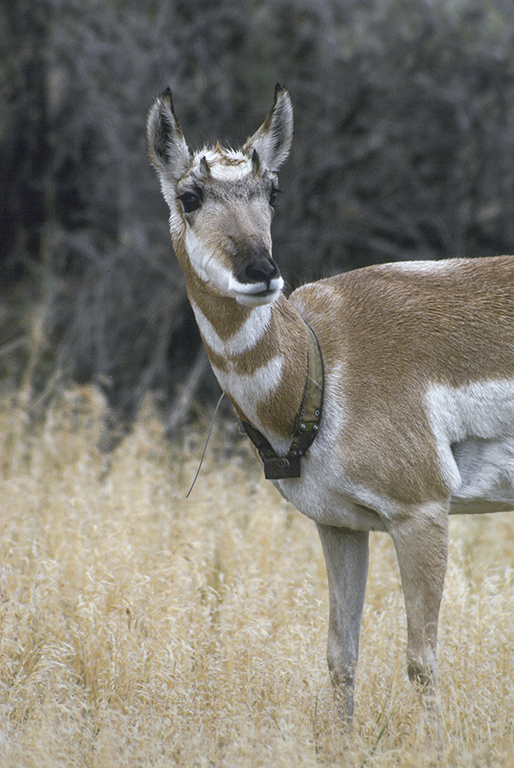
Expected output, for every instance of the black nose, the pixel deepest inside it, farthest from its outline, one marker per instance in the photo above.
(261, 270)
(253, 264)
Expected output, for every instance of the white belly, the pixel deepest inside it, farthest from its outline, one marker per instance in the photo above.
(474, 431)
(486, 469)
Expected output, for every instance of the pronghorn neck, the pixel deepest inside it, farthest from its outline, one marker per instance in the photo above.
(221, 208)
(259, 356)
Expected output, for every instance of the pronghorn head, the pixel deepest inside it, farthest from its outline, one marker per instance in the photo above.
(221, 201)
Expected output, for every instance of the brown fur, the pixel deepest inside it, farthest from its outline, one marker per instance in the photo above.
(398, 332)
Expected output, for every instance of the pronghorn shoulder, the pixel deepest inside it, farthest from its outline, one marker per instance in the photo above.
(448, 321)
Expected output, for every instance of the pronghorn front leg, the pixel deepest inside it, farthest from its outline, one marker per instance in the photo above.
(421, 542)
(346, 557)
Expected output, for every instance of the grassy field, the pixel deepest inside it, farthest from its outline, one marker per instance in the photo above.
(139, 628)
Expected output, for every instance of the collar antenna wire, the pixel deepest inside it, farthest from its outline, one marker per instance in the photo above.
(206, 444)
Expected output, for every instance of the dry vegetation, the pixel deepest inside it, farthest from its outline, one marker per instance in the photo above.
(142, 629)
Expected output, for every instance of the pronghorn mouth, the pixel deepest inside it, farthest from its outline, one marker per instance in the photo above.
(258, 292)
(264, 292)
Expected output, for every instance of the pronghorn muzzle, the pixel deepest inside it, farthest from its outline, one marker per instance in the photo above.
(255, 269)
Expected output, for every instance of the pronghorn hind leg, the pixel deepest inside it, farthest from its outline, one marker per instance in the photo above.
(421, 542)
(346, 557)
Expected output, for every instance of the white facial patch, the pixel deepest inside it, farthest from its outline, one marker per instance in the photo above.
(206, 263)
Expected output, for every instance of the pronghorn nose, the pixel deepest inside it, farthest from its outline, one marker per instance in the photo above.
(262, 270)
(257, 266)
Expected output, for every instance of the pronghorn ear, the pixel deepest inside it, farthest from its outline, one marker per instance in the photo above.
(272, 141)
(165, 143)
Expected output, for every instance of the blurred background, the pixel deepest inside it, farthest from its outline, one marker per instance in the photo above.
(404, 149)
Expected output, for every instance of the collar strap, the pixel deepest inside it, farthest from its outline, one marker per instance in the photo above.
(306, 423)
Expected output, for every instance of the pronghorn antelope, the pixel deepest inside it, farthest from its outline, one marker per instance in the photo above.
(380, 400)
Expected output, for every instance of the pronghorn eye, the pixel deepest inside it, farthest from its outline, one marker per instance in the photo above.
(273, 195)
(190, 201)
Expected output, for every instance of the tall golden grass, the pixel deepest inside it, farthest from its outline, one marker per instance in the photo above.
(139, 628)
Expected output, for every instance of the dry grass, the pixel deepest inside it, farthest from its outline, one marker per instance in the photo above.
(139, 628)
